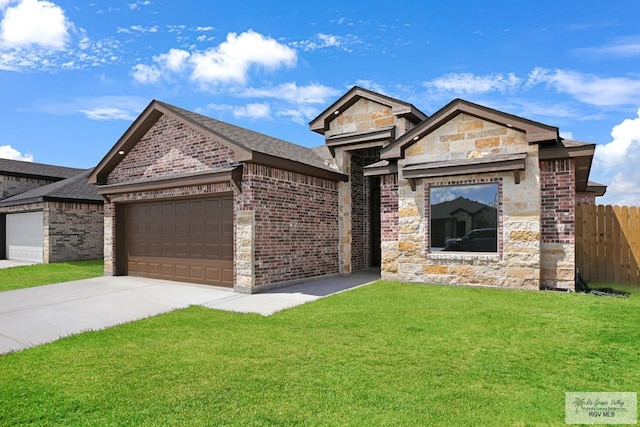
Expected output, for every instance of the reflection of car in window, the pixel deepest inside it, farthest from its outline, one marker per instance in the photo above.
(478, 240)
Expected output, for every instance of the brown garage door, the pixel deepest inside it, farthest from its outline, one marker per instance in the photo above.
(183, 240)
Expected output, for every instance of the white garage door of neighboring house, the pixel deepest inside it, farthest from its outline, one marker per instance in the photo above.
(25, 233)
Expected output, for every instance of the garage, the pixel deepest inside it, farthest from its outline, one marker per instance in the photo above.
(24, 238)
(187, 240)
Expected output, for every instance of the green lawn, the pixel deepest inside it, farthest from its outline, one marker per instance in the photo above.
(385, 354)
(46, 274)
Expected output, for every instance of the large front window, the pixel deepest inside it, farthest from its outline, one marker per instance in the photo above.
(464, 218)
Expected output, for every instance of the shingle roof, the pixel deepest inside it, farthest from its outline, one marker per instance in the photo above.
(36, 170)
(445, 209)
(254, 141)
(75, 189)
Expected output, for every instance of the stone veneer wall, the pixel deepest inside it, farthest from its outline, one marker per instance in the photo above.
(517, 263)
(12, 185)
(73, 231)
(170, 148)
(293, 220)
(558, 191)
(364, 115)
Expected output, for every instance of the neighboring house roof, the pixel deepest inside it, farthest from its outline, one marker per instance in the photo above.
(398, 108)
(535, 132)
(36, 170)
(75, 189)
(445, 209)
(248, 146)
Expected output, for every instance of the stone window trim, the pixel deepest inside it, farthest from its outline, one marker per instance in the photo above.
(463, 256)
(505, 163)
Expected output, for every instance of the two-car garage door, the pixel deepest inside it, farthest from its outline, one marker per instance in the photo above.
(183, 240)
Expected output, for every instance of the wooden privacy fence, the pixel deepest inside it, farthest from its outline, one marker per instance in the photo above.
(608, 243)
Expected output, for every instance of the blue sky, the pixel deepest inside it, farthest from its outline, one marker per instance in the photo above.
(74, 75)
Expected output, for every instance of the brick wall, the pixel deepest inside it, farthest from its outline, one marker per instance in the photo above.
(296, 228)
(12, 185)
(361, 209)
(170, 148)
(389, 224)
(558, 191)
(73, 231)
(585, 198)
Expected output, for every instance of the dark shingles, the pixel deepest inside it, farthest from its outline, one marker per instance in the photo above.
(76, 188)
(254, 141)
(36, 170)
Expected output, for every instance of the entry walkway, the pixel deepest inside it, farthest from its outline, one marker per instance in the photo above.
(42, 314)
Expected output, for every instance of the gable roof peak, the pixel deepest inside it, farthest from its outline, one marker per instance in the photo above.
(536, 132)
(398, 107)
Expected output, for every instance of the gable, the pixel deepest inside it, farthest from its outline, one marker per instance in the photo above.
(535, 133)
(466, 137)
(170, 148)
(364, 115)
(404, 113)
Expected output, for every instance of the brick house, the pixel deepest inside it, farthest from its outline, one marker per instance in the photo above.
(191, 198)
(48, 213)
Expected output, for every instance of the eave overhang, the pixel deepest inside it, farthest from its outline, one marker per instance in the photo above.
(383, 167)
(490, 164)
(358, 141)
(232, 175)
(581, 153)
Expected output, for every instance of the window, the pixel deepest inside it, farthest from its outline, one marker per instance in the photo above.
(464, 218)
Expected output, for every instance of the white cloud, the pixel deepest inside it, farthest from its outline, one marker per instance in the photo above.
(300, 115)
(138, 4)
(621, 47)
(99, 108)
(146, 73)
(230, 61)
(625, 135)
(314, 93)
(324, 41)
(8, 152)
(589, 88)
(174, 60)
(34, 22)
(253, 111)
(615, 164)
(107, 113)
(566, 135)
(469, 83)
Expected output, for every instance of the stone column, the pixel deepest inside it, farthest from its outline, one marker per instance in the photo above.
(343, 162)
(245, 257)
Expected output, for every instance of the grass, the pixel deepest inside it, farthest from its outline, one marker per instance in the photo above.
(384, 354)
(46, 274)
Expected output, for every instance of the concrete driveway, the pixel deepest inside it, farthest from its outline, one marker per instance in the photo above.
(42, 314)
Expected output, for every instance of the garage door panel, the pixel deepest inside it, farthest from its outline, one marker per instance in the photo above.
(192, 240)
(213, 250)
(25, 236)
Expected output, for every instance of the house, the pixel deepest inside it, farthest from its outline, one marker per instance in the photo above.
(48, 213)
(191, 198)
